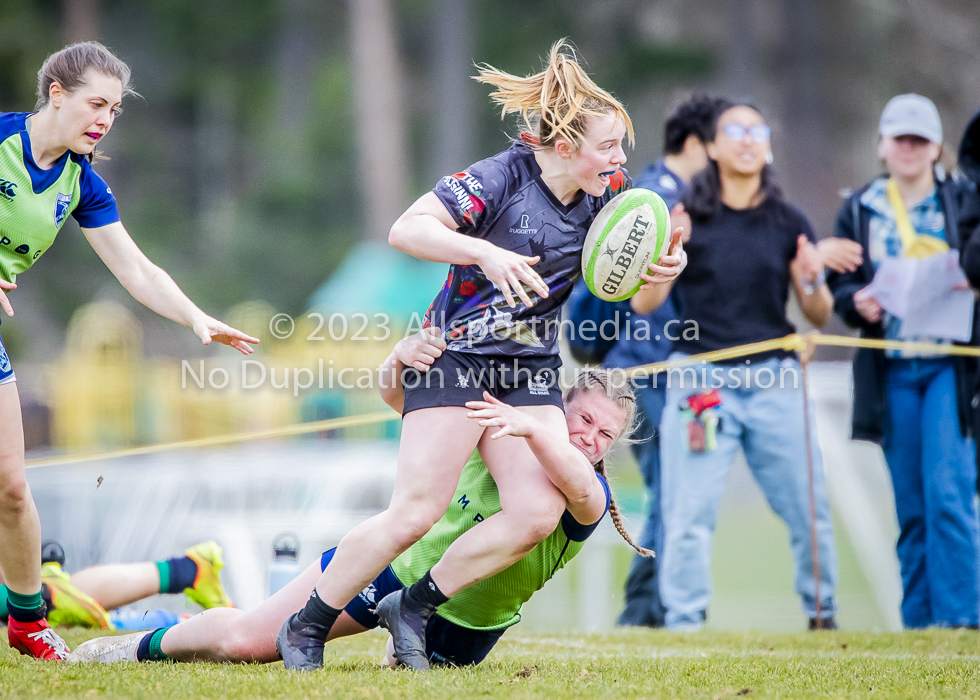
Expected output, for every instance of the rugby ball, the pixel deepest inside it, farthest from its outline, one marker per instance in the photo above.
(630, 232)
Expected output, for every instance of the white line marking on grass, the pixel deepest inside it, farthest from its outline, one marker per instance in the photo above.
(669, 653)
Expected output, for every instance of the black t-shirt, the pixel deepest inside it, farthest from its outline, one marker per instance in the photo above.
(737, 280)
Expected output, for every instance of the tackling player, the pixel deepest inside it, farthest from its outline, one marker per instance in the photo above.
(598, 412)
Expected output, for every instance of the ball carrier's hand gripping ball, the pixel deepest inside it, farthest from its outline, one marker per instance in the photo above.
(630, 232)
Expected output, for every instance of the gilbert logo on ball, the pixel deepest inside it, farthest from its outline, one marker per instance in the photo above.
(632, 230)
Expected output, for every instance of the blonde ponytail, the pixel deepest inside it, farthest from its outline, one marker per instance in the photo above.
(556, 102)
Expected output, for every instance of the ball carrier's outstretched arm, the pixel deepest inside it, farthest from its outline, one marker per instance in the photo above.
(427, 231)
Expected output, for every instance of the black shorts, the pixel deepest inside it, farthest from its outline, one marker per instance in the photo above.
(449, 644)
(457, 377)
(446, 643)
(6, 371)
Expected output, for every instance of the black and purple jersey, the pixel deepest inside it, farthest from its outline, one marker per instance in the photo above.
(503, 199)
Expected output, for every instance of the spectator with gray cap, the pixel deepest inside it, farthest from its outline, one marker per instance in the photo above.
(915, 404)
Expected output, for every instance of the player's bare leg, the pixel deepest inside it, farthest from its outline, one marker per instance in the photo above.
(20, 531)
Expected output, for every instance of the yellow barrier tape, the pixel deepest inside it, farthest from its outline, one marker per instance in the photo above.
(789, 342)
(931, 348)
(299, 429)
(803, 344)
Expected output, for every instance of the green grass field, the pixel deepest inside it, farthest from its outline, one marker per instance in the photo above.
(642, 664)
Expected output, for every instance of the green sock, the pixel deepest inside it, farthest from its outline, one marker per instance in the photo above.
(3, 602)
(163, 568)
(25, 608)
(156, 653)
(27, 603)
(149, 647)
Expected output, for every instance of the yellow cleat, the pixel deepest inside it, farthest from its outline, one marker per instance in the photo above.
(69, 606)
(207, 591)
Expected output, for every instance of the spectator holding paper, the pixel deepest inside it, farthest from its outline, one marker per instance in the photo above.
(916, 404)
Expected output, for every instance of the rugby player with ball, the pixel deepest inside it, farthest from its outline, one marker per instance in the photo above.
(512, 227)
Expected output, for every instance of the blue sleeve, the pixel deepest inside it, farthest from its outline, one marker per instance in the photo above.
(659, 180)
(10, 124)
(470, 195)
(96, 205)
(576, 531)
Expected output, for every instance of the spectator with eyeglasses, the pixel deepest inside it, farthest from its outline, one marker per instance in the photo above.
(748, 247)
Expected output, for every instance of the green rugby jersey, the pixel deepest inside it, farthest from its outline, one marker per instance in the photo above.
(494, 602)
(34, 203)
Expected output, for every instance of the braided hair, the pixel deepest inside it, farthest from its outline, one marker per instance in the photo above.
(618, 388)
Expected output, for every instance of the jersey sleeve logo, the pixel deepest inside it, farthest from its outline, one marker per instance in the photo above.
(61, 208)
(467, 190)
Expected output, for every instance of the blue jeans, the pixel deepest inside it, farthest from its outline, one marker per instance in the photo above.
(933, 468)
(643, 604)
(767, 423)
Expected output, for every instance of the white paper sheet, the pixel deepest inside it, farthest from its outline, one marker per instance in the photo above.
(930, 296)
(949, 317)
(892, 285)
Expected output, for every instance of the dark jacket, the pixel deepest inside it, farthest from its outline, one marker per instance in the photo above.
(958, 199)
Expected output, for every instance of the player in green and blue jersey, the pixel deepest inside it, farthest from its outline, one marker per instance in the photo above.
(599, 411)
(46, 175)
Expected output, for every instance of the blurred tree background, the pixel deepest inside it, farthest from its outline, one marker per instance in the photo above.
(272, 137)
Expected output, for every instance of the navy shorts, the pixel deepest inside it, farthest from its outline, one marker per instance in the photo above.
(447, 643)
(457, 377)
(6, 371)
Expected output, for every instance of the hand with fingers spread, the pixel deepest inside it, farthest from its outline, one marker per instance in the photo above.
(6, 286)
(420, 349)
(669, 266)
(508, 270)
(211, 329)
(840, 254)
(494, 413)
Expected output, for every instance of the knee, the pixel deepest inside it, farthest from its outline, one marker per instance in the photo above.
(537, 523)
(14, 496)
(240, 646)
(410, 525)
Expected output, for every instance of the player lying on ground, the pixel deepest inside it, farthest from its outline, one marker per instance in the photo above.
(45, 175)
(85, 598)
(598, 412)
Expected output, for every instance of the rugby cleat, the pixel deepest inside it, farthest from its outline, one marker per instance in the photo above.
(36, 639)
(70, 606)
(207, 590)
(407, 630)
(108, 650)
(301, 645)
